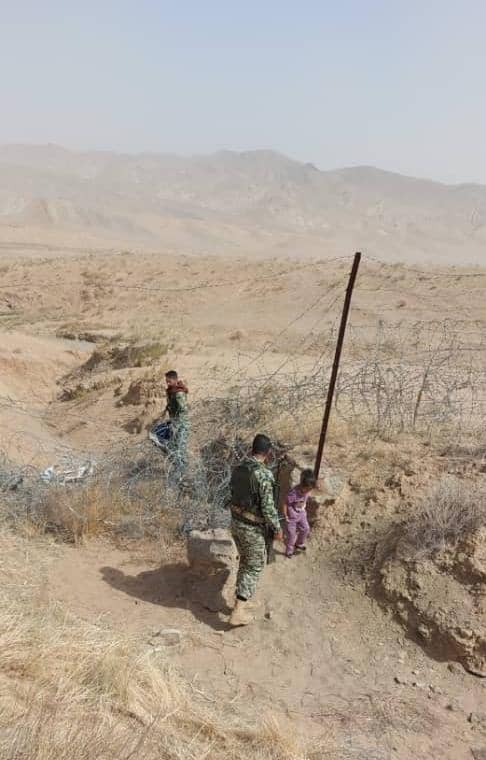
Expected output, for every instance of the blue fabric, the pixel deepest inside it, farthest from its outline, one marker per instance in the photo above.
(163, 432)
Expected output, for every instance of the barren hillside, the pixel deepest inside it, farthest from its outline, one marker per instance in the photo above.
(233, 203)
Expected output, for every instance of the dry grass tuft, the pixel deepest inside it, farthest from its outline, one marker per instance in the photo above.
(450, 511)
(71, 690)
(94, 508)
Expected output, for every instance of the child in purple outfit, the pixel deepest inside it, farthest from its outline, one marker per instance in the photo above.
(297, 526)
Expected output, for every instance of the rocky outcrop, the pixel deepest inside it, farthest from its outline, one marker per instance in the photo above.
(212, 559)
(442, 599)
(210, 551)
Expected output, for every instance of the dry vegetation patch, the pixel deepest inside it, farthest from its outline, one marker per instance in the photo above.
(130, 499)
(74, 690)
(450, 511)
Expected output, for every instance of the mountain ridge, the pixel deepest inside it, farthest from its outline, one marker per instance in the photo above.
(225, 200)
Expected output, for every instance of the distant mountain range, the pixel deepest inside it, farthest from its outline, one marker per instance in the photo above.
(257, 202)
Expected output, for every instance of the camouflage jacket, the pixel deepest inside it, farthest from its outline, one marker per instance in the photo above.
(177, 406)
(266, 483)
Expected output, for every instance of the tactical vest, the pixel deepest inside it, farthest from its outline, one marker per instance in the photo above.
(173, 406)
(244, 486)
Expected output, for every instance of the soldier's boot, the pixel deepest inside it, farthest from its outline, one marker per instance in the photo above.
(241, 615)
(251, 604)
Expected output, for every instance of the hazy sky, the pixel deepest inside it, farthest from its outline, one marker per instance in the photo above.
(399, 84)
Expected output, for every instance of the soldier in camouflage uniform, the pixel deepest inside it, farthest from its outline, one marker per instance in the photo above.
(177, 409)
(253, 510)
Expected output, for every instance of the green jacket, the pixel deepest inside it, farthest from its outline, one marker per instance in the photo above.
(177, 406)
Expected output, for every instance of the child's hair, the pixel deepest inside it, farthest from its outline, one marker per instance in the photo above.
(307, 479)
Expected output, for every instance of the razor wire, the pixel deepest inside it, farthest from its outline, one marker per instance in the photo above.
(425, 377)
(439, 389)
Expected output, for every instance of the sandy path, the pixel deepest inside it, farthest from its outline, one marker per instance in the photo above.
(320, 651)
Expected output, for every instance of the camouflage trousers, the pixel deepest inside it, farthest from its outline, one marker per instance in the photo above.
(250, 543)
(178, 446)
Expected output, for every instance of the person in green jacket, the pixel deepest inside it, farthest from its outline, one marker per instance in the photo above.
(178, 410)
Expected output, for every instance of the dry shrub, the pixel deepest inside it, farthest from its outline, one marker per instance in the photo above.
(96, 507)
(74, 691)
(452, 509)
(133, 492)
(79, 511)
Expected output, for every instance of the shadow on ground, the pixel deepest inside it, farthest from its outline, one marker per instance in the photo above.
(175, 586)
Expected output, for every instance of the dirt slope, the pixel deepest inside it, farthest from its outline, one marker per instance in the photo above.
(29, 369)
(320, 651)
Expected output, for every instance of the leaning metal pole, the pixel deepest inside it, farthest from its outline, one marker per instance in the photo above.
(335, 366)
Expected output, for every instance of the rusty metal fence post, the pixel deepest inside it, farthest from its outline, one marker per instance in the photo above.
(335, 366)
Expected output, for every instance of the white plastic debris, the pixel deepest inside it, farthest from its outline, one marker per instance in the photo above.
(64, 475)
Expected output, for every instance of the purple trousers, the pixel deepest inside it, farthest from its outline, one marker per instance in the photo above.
(297, 530)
